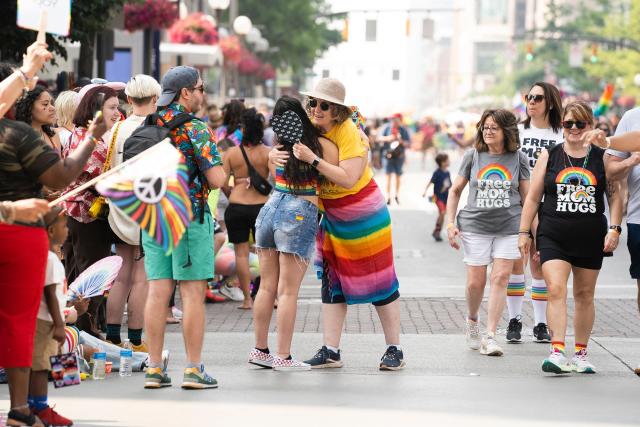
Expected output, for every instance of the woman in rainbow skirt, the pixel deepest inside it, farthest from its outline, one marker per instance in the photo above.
(354, 252)
(498, 177)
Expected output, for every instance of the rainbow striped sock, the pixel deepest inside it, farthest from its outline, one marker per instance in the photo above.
(539, 296)
(515, 295)
(557, 346)
(579, 347)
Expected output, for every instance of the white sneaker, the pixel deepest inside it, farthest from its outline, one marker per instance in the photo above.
(557, 363)
(490, 347)
(581, 365)
(260, 358)
(472, 332)
(232, 292)
(177, 313)
(280, 364)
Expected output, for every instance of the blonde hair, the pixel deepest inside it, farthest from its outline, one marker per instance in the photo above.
(141, 88)
(579, 110)
(66, 107)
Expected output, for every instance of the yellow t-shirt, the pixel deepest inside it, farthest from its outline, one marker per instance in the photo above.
(347, 137)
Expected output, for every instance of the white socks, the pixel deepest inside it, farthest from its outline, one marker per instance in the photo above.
(515, 295)
(539, 298)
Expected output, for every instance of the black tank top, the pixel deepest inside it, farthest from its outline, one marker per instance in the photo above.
(572, 215)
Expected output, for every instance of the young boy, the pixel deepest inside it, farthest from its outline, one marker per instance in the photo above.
(50, 333)
(441, 181)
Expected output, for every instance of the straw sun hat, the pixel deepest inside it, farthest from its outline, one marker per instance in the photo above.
(328, 89)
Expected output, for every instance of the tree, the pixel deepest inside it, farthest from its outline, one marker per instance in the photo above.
(295, 28)
(88, 18)
(608, 28)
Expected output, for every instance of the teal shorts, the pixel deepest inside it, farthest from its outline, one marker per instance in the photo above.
(192, 259)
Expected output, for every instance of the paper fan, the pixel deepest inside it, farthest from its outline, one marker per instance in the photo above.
(96, 279)
(154, 192)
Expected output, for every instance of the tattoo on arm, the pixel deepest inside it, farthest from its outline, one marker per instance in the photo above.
(611, 188)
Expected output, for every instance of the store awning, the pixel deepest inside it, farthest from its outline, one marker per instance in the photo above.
(192, 54)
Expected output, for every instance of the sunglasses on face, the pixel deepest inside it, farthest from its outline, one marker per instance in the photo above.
(534, 98)
(324, 105)
(568, 124)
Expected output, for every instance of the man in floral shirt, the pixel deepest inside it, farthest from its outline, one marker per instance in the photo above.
(191, 263)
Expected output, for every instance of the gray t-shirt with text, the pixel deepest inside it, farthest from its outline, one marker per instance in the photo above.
(630, 121)
(494, 205)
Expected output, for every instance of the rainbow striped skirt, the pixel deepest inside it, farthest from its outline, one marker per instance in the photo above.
(354, 251)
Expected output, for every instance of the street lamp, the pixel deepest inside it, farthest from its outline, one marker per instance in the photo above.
(242, 25)
(254, 35)
(219, 4)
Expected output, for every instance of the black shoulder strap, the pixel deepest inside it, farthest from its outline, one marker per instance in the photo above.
(246, 159)
(152, 120)
(179, 120)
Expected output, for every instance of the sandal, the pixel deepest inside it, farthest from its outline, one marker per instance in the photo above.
(15, 418)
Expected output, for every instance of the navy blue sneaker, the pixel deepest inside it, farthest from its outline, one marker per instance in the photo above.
(325, 358)
(392, 360)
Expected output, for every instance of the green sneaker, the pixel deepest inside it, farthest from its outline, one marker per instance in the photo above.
(156, 378)
(195, 379)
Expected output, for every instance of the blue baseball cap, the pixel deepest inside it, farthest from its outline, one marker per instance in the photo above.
(174, 81)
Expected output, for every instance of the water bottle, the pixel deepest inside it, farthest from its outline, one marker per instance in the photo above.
(99, 364)
(126, 355)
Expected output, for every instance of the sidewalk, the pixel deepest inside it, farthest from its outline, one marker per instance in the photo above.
(443, 384)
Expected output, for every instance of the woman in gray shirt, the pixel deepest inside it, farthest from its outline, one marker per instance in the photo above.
(498, 177)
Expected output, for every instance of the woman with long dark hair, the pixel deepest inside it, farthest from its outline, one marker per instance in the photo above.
(540, 131)
(231, 128)
(285, 234)
(245, 201)
(36, 108)
(498, 177)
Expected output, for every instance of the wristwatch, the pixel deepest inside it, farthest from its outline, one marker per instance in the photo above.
(615, 228)
(315, 162)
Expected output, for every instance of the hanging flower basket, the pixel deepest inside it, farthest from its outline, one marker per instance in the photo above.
(231, 49)
(249, 63)
(267, 72)
(195, 29)
(152, 14)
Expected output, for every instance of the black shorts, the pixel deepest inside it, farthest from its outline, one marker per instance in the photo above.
(591, 263)
(633, 244)
(241, 221)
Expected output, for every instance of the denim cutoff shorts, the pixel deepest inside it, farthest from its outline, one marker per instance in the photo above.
(288, 224)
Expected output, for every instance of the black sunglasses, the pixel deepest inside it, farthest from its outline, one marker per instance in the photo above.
(534, 98)
(568, 124)
(324, 105)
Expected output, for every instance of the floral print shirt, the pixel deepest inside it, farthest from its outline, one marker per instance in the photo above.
(77, 207)
(198, 145)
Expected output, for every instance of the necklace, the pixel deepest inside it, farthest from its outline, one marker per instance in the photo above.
(575, 181)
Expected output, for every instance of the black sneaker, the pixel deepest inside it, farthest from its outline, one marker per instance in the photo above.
(392, 359)
(541, 333)
(514, 332)
(325, 358)
(436, 235)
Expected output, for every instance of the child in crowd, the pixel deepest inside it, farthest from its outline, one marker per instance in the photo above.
(441, 180)
(50, 334)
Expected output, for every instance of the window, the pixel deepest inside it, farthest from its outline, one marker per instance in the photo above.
(395, 75)
(371, 30)
(427, 28)
(520, 21)
(492, 12)
(325, 74)
(490, 57)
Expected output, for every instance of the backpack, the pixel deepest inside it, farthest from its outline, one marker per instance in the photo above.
(149, 133)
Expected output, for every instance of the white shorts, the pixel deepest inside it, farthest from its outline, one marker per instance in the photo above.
(482, 249)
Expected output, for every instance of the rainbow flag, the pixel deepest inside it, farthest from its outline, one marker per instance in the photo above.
(606, 100)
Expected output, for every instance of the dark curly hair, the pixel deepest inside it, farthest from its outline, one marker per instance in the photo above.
(24, 109)
(297, 172)
(252, 127)
(509, 125)
(232, 112)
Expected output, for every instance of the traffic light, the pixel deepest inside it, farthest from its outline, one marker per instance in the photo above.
(594, 53)
(529, 52)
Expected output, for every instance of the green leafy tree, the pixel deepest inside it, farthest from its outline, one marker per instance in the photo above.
(88, 18)
(297, 30)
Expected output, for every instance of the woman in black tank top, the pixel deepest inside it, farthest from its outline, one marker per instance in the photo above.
(572, 235)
